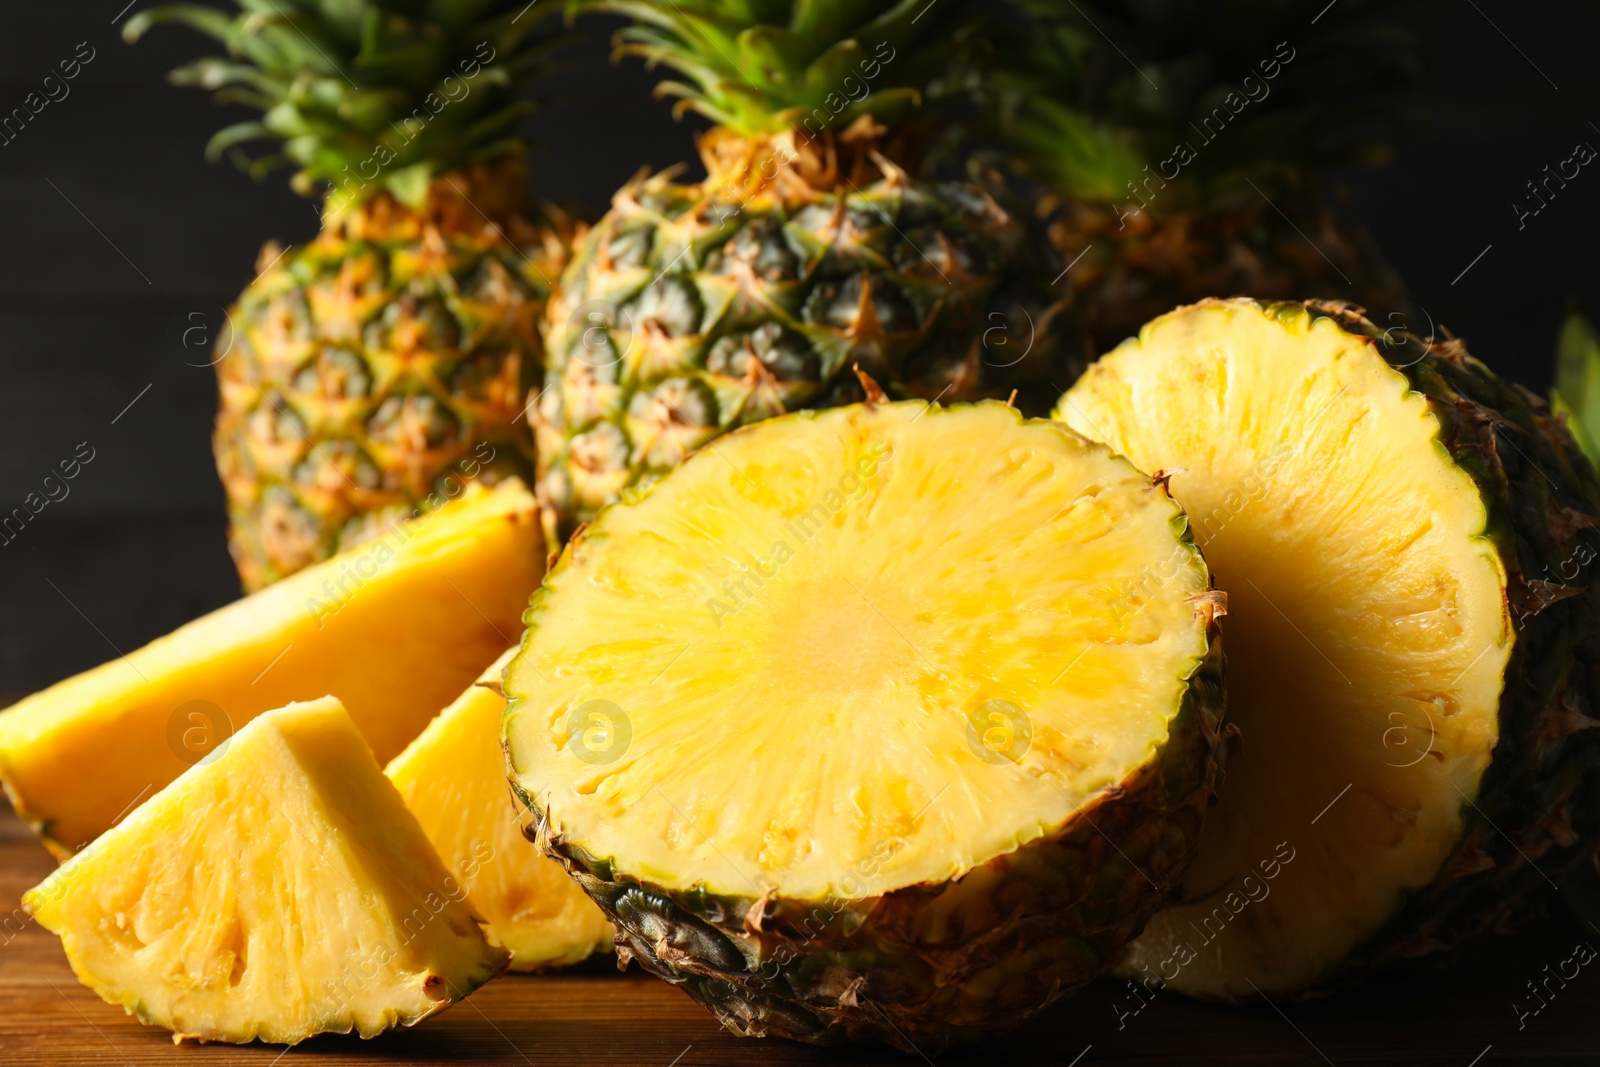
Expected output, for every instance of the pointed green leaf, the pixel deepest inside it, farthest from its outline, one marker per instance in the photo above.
(1577, 382)
(410, 184)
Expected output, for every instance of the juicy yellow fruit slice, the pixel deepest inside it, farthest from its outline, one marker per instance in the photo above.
(799, 638)
(887, 722)
(277, 890)
(1367, 631)
(453, 778)
(394, 629)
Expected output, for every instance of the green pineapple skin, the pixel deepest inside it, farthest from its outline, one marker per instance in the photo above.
(344, 406)
(831, 972)
(691, 310)
(1537, 812)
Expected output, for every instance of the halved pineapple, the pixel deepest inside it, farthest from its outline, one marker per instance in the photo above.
(277, 890)
(453, 778)
(395, 629)
(1410, 643)
(888, 722)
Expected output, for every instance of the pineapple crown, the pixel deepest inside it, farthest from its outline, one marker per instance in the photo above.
(765, 66)
(367, 96)
(1109, 92)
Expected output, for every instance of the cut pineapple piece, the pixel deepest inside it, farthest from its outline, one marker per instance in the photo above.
(453, 778)
(887, 722)
(395, 629)
(1376, 512)
(277, 890)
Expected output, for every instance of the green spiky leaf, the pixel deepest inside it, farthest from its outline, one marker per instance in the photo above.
(760, 66)
(368, 95)
(1576, 392)
(1087, 95)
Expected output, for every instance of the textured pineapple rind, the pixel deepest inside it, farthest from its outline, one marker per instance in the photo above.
(1537, 810)
(267, 348)
(1059, 908)
(982, 329)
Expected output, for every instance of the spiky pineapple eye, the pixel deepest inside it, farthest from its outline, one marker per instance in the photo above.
(275, 423)
(294, 539)
(764, 247)
(785, 354)
(839, 304)
(630, 248)
(670, 303)
(603, 447)
(414, 421)
(333, 464)
(335, 373)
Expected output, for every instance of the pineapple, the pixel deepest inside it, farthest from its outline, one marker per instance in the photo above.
(811, 245)
(391, 357)
(453, 778)
(1413, 637)
(275, 891)
(395, 630)
(1179, 146)
(847, 751)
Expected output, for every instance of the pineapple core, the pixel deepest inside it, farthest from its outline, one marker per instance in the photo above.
(837, 654)
(1367, 632)
(275, 891)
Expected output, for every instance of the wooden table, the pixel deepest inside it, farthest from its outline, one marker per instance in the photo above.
(593, 1016)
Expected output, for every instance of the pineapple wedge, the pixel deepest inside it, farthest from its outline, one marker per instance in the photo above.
(394, 629)
(453, 778)
(277, 890)
(1413, 637)
(890, 722)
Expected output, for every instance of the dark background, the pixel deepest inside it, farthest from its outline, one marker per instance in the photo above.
(119, 238)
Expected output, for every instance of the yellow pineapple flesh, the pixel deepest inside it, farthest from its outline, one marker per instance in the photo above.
(276, 890)
(885, 722)
(1368, 632)
(395, 629)
(453, 778)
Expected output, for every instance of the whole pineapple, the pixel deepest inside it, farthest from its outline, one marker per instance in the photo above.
(371, 372)
(1179, 143)
(811, 247)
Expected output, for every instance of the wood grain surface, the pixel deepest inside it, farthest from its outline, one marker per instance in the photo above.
(592, 1015)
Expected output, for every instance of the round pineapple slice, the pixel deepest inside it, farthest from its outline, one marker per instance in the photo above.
(1411, 646)
(892, 722)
